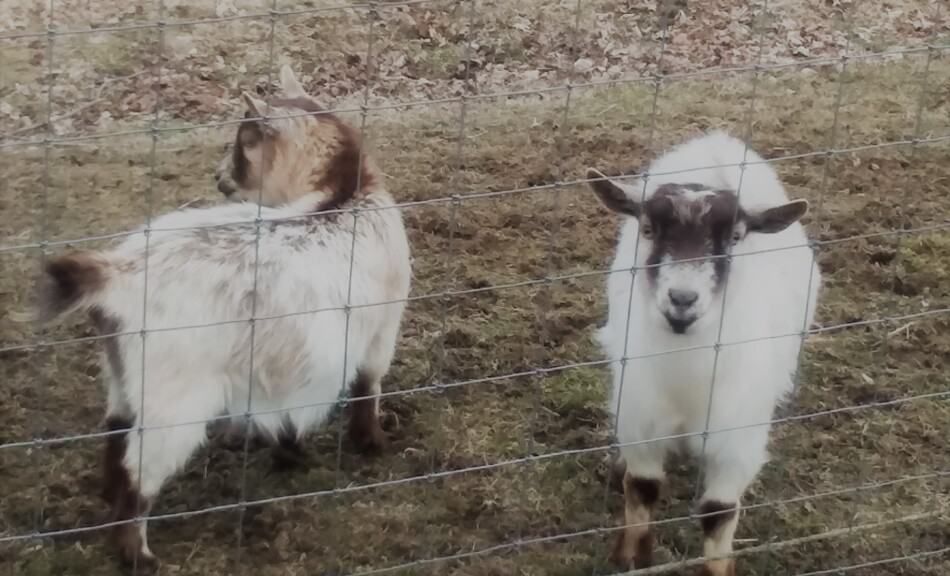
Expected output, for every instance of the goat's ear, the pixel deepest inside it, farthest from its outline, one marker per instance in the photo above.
(255, 105)
(612, 195)
(771, 220)
(289, 84)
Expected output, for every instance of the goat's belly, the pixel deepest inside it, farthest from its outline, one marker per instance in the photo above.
(297, 409)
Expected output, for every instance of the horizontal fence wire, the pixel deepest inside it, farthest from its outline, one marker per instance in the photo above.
(36, 442)
(512, 192)
(268, 15)
(792, 542)
(441, 475)
(368, 108)
(512, 462)
(454, 198)
(11, 144)
(522, 284)
(930, 554)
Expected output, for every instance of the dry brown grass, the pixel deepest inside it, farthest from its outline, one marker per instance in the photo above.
(99, 187)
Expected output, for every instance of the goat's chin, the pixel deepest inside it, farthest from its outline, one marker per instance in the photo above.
(679, 325)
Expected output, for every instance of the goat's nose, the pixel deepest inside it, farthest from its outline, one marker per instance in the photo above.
(225, 187)
(683, 298)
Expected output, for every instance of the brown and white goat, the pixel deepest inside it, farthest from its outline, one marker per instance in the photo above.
(227, 326)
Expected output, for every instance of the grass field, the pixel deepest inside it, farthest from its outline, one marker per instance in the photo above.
(894, 449)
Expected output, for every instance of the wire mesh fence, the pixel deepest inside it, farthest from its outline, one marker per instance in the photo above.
(496, 394)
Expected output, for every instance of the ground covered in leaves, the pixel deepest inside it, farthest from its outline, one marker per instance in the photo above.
(845, 487)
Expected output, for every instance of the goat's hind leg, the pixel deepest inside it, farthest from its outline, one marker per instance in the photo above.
(154, 448)
(118, 489)
(119, 419)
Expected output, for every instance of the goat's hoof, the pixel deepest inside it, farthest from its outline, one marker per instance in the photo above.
(143, 564)
(134, 554)
(619, 556)
(718, 569)
(372, 444)
(389, 421)
(642, 562)
(369, 438)
(626, 556)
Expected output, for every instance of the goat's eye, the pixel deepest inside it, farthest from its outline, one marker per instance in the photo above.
(736, 236)
(646, 230)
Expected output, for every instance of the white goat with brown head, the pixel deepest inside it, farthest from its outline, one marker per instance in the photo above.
(272, 317)
(708, 327)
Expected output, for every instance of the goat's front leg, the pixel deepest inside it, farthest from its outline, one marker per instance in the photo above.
(634, 545)
(719, 521)
(732, 462)
(644, 445)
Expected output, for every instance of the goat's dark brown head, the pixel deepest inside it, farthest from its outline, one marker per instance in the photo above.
(292, 148)
(687, 232)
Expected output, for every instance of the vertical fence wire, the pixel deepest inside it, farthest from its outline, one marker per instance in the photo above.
(456, 182)
(42, 226)
(372, 17)
(941, 483)
(139, 513)
(918, 127)
(816, 217)
(556, 194)
(663, 23)
(701, 477)
(248, 427)
(554, 214)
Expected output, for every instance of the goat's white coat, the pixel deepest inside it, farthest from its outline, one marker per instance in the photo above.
(767, 295)
(195, 374)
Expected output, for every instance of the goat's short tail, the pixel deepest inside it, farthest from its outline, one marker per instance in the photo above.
(70, 282)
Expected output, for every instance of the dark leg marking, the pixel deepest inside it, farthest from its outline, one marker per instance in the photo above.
(115, 478)
(124, 498)
(715, 514)
(106, 325)
(705, 571)
(646, 489)
(365, 431)
(644, 555)
(288, 453)
(636, 543)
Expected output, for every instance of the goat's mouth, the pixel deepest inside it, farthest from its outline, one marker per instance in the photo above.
(679, 325)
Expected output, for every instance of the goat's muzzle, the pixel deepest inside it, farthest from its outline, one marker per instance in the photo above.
(226, 187)
(679, 324)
